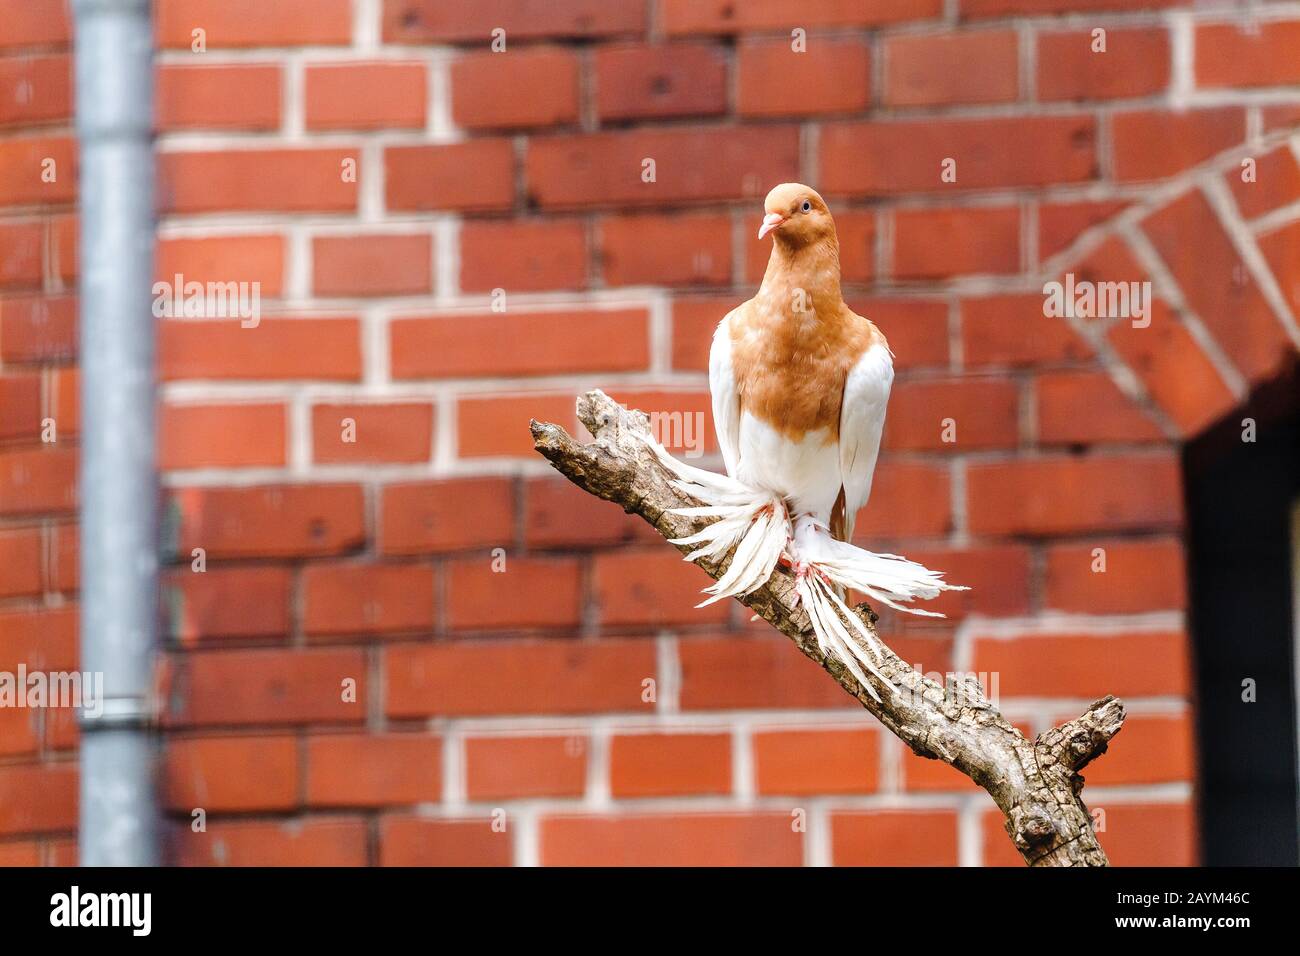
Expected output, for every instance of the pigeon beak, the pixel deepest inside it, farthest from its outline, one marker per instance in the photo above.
(770, 222)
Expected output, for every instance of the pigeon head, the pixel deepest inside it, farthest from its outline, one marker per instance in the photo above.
(796, 216)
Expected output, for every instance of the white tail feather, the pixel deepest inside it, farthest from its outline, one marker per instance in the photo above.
(758, 525)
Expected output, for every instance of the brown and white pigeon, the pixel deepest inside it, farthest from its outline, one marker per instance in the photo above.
(799, 385)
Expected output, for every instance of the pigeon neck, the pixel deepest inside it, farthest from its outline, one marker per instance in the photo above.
(813, 269)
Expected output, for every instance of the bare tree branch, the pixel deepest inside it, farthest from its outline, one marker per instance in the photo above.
(1036, 784)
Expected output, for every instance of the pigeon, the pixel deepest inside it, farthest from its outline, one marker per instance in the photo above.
(799, 385)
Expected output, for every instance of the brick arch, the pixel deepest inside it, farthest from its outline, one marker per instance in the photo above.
(1220, 254)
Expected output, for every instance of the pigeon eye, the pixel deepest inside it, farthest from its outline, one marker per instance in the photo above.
(807, 205)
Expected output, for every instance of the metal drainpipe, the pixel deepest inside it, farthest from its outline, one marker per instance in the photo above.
(118, 482)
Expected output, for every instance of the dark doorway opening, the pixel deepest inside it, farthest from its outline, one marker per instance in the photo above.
(1241, 501)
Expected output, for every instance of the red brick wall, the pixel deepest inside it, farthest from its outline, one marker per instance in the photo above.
(519, 696)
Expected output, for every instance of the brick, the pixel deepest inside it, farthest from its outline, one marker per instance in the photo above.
(351, 433)
(1150, 834)
(26, 182)
(235, 774)
(660, 81)
(20, 733)
(20, 853)
(35, 89)
(998, 577)
(267, 521)
(944, 69)
(38, 481)
(1138, 664)
(518, 89)
(916, 329)
(468, 678)
(936, 243)
(1111, 416)
(669, 250)
(696, 839)
(475, 176)
(42, 639)
(20, 406)
(497, 425)
(1176, 372)
(35, 23)
(928, 775)
(1282, 250)
(367, 598)
(515, 343)
(267, 686)
(20, 562)
(998, 8)
(382, 95)
(721, 16)
(682, 421)
(830, 75)
(1153, 834)
(22, 246)
(1252, 53)
(225, 602)
(65, 555)
(1062, 495)
(38, 799)
(63, 396)
(1218, 286)
(691, 164)
(525, 593)
(513, 768)
(38, 329)
(250, 23)
(901, 156)
(419, 841)
(369, 770)
(523, 256)
(276, 349)
(250, 258)
(1059, 224)
(258, 180)
(221, 436)
(430, 21)
(894, 838)
(984, 413)
(1279, 116)
(62, 255)
(816, 761)
(1011, 330)
(559, 515)
(232, 96)
(908, 499)
(1139, 575)
(650, 588)
(1136, 62)
(750, 673)
(1154, 144)
(326, 841)
(669, 764)
(695, 320)
(431, 516)
(372, 265)
(1154, 748)
(1276, 183)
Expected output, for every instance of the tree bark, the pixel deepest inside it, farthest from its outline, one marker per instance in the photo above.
(1036, 784)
